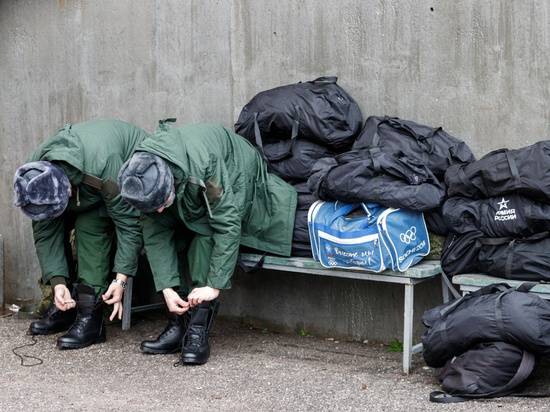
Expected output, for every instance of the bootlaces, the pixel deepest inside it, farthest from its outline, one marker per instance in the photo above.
(192, 341)
(23, 356)
(168, 330)
(82, 321)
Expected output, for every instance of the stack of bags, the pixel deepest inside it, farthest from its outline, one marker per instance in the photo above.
(312, 133)
(498, 212)
(295, 125)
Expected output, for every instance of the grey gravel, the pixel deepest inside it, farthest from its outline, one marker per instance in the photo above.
(249, 370)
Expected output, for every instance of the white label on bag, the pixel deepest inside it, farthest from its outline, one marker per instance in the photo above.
(357, 240)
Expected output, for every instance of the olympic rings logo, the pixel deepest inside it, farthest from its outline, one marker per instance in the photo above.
(409, 236)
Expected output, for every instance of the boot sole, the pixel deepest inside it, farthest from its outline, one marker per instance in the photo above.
(193, 361)
(159, 351)
(48, 331)
(80, 345)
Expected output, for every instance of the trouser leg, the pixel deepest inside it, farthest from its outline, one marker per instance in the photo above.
(94, 240)
(171, 339)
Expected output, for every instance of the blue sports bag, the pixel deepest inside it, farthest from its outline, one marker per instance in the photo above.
(366, 236)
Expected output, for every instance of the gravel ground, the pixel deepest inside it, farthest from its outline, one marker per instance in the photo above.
(249, 370)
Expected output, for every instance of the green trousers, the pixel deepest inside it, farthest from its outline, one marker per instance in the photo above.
(94, 236)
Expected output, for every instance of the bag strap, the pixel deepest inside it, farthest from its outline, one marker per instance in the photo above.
(496, 241)
(467, 182)
(425, 142)
(326, 79)
(442, 397)
(513, 169)
(250, 269)
(294, 134)
(525, 369)
(450, 286)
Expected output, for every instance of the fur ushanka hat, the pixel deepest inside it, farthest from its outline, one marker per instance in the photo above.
(145, 181)
(41, 189)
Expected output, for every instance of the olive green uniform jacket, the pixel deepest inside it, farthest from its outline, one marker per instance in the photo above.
(225, 195)
(97, 148)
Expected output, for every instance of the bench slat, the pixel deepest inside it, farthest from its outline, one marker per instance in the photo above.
(423, 269)
(479, 280)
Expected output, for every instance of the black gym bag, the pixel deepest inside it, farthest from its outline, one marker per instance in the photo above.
(502, 171)
(431, 145)
(511, 215)
(516, 258)
(488, 370)
(373, 176)
(319, 111)
(491, 314)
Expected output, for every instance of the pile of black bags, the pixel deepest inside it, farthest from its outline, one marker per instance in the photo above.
(498, 213)
(312, 132)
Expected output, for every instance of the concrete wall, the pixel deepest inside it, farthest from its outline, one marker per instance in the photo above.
(479, 69)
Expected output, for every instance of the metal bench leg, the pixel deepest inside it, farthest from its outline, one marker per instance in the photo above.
(408, 328)
(127, 304)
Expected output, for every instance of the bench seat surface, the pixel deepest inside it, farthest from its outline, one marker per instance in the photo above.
(423, 269)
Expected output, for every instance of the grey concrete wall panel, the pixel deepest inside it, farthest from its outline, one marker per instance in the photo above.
(478, 69)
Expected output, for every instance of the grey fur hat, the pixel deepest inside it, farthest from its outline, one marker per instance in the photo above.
(41, 189)
(145, 181)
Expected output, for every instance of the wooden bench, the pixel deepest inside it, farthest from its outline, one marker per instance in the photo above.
(472, 282)
(421, 272)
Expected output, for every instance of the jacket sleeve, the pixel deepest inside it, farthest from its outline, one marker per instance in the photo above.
(125, 219)
(50, 249)
(226, 225)
(159, 235)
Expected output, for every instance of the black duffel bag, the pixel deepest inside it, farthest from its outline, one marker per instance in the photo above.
(488, 370)
(460, 253)
(431, 145)
(293, 161)
(503, 171)
(491, 314)
(301, 242)
(516, 258)
(511, 215)
(377, 177)
(319, 111)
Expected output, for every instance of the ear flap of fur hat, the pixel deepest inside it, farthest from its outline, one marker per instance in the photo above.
(145, 181)
(41, 189)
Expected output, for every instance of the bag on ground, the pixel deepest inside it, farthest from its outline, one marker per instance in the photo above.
(494, 313)
(488, 370)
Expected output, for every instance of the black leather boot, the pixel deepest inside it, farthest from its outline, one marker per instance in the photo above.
(54, 320)
(196, 348)
(89, 327)
(171, 339)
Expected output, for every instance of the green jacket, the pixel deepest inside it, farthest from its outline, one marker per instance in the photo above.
(223, 192)
(97, 148)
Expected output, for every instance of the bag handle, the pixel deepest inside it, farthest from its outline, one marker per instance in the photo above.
(513, 169)
(326, 79)
(525, 368)
(294, 133)
(250, 269)
(511, 245)
(425, 142)
(347, 208)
